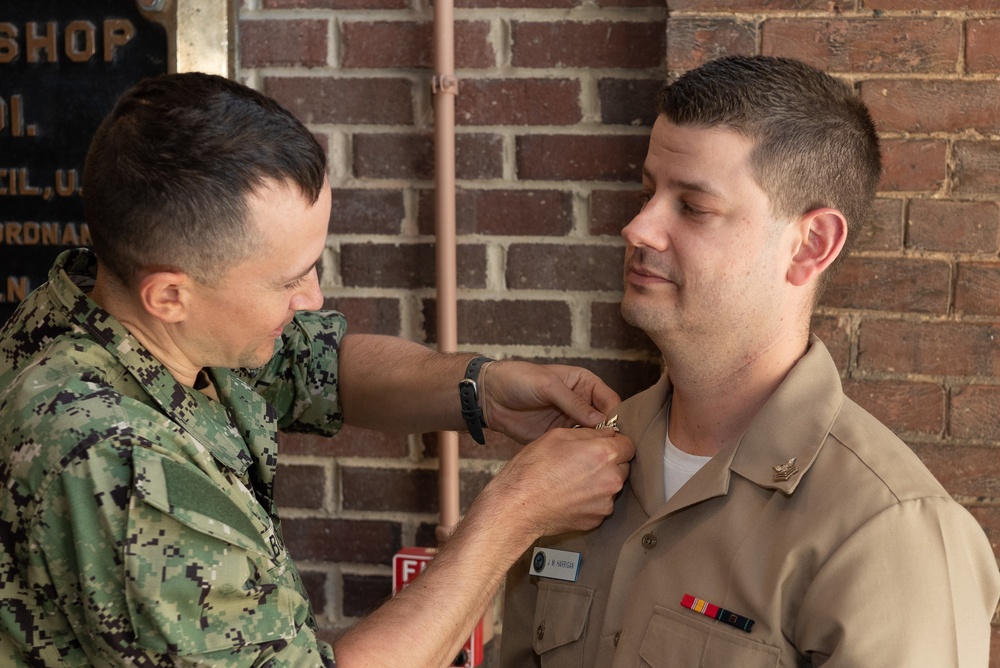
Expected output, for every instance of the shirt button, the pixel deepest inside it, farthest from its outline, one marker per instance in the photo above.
(649, 541)
(541, 631)
(617, 637)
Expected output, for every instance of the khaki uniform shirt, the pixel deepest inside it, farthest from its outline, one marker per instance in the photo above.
(858, 558)
(137, 521)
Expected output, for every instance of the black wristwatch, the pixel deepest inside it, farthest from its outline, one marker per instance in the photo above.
(468, 395)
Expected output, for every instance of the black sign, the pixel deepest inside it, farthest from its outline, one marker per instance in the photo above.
(63, 63)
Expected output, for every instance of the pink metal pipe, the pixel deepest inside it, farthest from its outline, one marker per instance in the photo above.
(445, 90)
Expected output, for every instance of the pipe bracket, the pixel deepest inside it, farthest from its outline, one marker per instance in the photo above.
(444, 84)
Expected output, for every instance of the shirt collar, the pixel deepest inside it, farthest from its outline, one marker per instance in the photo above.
(75, 271)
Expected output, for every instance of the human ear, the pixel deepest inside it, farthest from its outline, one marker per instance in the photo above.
(822, 233)
(165, 294)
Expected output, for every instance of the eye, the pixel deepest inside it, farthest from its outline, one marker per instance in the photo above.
(690, 210)
(296, 283)
(644, 198)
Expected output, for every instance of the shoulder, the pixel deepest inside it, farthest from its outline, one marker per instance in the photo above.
(869, 450)
(68, 403)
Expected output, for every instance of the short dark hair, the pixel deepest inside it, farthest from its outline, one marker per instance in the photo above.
(170, 169)
(815, 143)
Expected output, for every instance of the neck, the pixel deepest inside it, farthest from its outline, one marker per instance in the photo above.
(716, 395)
(151, 332)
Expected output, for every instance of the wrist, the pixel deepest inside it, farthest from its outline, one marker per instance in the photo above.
(470, 398)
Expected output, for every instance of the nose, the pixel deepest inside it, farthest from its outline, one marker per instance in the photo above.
(647, 229)
(309, 297)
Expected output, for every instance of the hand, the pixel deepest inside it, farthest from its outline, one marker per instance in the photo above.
(565, 481)
(524, 400)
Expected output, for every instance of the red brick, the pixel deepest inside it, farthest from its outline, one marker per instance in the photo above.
(659, 4)
(900, 285)
(506, 322)
(411, 156)
(410, 490)
(629, 101)
(364, 593)
(356, 541)
(953, 227)
(300, 486)
(362, 211)
(368, 315)
(349, 442)
(406, 44)
(315, 584)
(981, 53)
(749, 5)
(904, 407)
(528, 4)
(913, 165)
(581, 157)
(977, 290)
(600, 44)
(963, 470)
(901, 347)
(695, 41)
(518, 102)
(835, 333)
(883, 45)
(497, 447)
(327, 100)
(989, 519)
(975, 413)
(505, 212)
(299, 42)
(935, 5)
(977, 168)
(406, 265)
(611, 210)
(933, 105)
(564, 267)
(336, 4)
(609, 330)
(884, 228)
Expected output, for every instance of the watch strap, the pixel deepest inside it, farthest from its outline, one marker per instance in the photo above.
(468, 396)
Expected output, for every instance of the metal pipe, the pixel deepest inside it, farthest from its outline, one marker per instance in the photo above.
(445, 87)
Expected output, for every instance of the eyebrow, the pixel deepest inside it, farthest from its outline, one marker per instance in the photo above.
(694, 186)
(314, 265)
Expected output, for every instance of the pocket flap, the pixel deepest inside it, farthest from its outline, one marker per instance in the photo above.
(561, 614)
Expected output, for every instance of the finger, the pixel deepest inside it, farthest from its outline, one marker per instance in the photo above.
(604, 398)
(588, 387)
(574, 407)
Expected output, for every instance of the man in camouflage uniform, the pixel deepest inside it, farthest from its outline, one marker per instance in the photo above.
(137, 521)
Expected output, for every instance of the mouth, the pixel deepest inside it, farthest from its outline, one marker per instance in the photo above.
(638, 274)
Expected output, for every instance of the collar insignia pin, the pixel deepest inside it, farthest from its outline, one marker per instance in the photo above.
(785, 471)
(610, 423)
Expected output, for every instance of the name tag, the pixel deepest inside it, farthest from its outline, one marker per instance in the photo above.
(556, 564)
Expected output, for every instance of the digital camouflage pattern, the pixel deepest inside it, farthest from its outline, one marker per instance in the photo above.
(137, 521)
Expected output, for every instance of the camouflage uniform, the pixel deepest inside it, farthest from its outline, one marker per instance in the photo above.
(137, 521)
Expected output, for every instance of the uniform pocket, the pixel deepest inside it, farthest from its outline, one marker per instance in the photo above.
(561, 614)
(202, 572)
(673, 638)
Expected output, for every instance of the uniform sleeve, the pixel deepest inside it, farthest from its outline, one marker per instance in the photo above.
(917, 585)
(301, 380)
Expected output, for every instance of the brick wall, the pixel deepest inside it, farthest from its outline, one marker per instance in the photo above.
(554, 109)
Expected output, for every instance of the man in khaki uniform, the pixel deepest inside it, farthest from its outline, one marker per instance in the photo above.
(767, 520)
